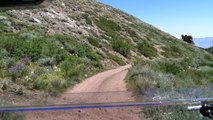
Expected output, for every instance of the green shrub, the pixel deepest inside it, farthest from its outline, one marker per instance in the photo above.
(121, 46)
(19, 47)
(87, 18)
(17, 71)
(94, 41)
(116, 59)
(3, 28)
(47, 61)
(57, 86)
(199, 77)
(32, 34)
(4, 73)
(7, 62)
(147, 50)
(173, 51)
(142, 78)
(108, 25)
(169, 66)
(5, 84)
(94, 34)
(132, 33)
(77, 48)
(3, 53)
(69, 67)
(38, 71)
(5, 24)
(51, 83)
(41, 83)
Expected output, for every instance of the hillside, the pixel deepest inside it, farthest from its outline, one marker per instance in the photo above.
(50, 46)
(210, 50)
(51, 49)
(204, 42)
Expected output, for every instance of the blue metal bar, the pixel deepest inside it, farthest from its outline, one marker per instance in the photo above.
(98, 105)
(73, 107)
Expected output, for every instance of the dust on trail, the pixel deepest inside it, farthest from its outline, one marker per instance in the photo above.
(100, 88)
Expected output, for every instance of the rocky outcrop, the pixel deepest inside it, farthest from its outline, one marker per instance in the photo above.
(188, 39)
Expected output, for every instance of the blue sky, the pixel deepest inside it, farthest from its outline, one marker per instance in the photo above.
(176, 17)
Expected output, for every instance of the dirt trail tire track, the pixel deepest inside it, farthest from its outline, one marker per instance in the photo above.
(87, 91)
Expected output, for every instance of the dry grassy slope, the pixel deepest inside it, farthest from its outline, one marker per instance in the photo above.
(78, 18)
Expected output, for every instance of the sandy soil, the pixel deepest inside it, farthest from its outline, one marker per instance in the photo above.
(105, 87)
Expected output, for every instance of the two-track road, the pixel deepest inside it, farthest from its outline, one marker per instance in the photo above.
(105, 87)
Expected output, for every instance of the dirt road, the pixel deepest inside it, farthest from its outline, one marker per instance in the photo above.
(105, 87)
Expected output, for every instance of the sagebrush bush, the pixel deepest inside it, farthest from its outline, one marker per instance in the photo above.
(30, 34)
(141, 79)
(49, 61)
(7, 62)
(17, 71)
(5, 84)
